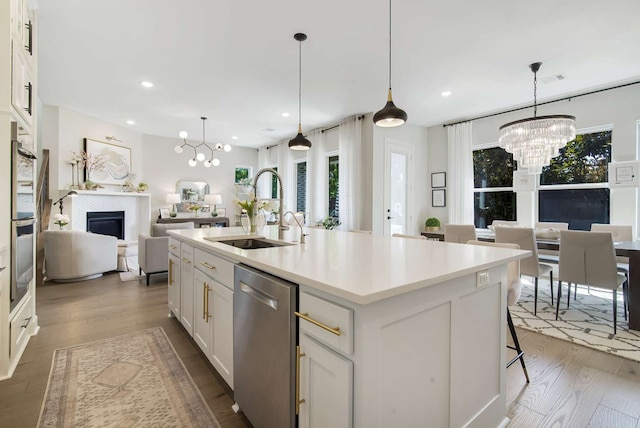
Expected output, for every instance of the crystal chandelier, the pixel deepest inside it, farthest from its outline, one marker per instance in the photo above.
(199, 155)
(535, 140)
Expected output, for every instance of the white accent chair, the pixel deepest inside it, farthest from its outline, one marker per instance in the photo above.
(153, 249)
(514, 288)
(525, 238)
(460, 233)
(72, 255)
(589, 258)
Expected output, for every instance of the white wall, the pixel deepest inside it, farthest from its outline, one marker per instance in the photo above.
(153, 158)
(618, 107)
(163, 168)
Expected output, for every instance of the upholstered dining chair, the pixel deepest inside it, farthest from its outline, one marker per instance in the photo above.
(589, 258)
(531, 266)
(509, 223)
(550, 256)
(402, 235)
(360, 231)
(460, 233)
(619, 233)
(514, 287)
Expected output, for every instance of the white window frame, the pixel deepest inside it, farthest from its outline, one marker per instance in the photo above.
(603, 185)
(306, 184)
(486, 146)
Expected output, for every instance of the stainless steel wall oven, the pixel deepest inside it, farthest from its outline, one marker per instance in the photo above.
(23, 203)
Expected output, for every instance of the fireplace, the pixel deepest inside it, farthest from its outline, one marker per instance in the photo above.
(106, 223)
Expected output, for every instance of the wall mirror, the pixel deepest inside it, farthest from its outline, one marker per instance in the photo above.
(191, 192)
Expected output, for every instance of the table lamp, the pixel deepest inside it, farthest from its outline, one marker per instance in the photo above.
(173, 198)
(214, 200)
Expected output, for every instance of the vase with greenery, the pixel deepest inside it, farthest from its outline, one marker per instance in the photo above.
(251, 206)
(432, 224)
(61, 220)
(196, 209)
(329, 222)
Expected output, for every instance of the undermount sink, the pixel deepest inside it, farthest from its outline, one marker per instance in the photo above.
(253, 243)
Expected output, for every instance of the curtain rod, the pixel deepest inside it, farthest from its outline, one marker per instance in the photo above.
(335, 126)
(541, 104)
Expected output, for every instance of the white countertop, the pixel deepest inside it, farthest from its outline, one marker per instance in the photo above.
(358, 267)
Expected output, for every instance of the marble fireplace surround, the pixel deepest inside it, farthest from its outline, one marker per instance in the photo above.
(136, 206)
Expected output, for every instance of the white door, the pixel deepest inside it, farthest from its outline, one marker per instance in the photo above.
(222, 340)
(202, 311)
(398, 185)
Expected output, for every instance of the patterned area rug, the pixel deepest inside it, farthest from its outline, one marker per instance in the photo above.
(126, 381)
(588, 321)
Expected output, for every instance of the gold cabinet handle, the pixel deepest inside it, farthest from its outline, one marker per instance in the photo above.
(186, 261)
(306, 317)
(298, 400)
(208, 266)
(205, 302)
(170, 272)
(173, 247)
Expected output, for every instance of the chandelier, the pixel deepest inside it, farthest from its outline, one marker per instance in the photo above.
(198, 155)
(535, 140)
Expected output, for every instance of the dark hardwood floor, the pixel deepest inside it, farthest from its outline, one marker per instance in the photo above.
(571, 386)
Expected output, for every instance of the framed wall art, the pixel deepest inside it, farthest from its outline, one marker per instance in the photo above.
(106, 163)
(438, 198)
(438, 179)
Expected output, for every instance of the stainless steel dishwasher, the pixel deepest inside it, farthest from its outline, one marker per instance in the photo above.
(264, 342)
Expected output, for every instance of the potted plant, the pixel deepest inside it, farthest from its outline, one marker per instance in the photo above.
(329, 222)
(432, 224)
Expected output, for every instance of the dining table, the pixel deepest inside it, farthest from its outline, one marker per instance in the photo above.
(630, 249)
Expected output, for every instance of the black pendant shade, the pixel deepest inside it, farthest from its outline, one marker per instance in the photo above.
(299, 142)
(390, 115)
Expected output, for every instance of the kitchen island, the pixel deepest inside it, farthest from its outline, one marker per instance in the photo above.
(394, 331)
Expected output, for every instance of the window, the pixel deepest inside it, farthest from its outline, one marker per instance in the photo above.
(301, 186)
(274, 184)
(573, 188)
(243, 173)
(494, 198)
(334, 205)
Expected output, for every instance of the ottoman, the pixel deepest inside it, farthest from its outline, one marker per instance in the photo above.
(126, 249)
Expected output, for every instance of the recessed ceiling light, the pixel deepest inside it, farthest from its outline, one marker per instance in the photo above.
(131, 122)
(446, 93)
(285, 114)
(235, 137)
(147, 84)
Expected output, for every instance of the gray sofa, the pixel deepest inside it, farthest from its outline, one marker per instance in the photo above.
(72, 255)
(153, 249)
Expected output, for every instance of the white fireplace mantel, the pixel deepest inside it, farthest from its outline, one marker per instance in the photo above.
(137, 207)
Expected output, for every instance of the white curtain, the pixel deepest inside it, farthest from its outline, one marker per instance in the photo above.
(264, 185)
(317, 199)
(460, 177)
(350, 175)
(287, 173)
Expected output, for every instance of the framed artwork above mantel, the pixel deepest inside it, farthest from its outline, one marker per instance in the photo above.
(115, 162)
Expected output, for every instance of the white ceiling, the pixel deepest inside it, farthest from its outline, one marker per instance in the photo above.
(237, 62)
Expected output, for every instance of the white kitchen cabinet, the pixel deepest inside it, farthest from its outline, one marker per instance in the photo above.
(326, 386)
(174, 285)
(202, 311)
(186, 287)
(22, 89)
(213, 324)
(222, 332)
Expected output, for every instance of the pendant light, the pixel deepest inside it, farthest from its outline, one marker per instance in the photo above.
(390, 115)
(299, 142)
(535, 140)
(200, 156)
